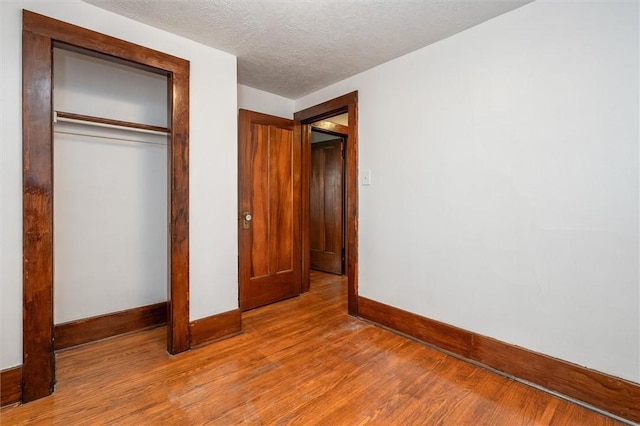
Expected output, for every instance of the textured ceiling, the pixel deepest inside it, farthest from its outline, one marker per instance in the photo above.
(294, 47)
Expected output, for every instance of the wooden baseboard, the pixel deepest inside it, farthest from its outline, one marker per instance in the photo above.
(100, 327)
(10, 386)
(602, 391)
(91, 329)
(215, 327)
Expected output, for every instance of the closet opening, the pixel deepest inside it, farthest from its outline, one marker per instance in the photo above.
(110, 141)
(40, 36)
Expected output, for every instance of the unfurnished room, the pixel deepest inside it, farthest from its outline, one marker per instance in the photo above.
(331, 212)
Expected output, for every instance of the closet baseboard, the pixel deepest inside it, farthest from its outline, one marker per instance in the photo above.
(10, 386)
(87, 330)
(215, 327)
(602, 391)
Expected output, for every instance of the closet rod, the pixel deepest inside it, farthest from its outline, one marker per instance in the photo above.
(110, 138)
(107, 122)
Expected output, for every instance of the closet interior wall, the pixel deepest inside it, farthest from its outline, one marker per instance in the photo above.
(110, 189)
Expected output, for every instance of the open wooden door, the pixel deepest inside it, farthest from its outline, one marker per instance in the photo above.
(325, 206)
(269, 223)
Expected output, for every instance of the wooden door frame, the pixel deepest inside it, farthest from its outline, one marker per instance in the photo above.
(39, 35)
(344, 104)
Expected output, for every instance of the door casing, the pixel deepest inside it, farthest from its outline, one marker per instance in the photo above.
(343, 104)
(39, 35)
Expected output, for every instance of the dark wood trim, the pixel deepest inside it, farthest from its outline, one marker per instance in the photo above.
(609, 393)
(305, 205)
(178, 163)
(328, 109)
(614, 395)
(10, 386)
(83, 40)
(298, 233)
(37, 219)
(119, 123)
(347, 103)
(40, 35)
(87, 330)
(216, 327)
(439, 334)
(351, 217)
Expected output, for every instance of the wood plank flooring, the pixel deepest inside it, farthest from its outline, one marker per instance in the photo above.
(301, 361)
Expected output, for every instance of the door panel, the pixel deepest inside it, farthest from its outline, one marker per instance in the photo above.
(269, 191)
(326, 206)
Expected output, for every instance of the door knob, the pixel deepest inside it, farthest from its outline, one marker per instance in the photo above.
(246, 218)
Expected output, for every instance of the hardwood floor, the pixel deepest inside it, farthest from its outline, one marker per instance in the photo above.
(301, 361)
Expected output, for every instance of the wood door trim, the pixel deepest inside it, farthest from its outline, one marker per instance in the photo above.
(37, 220)
(40, 34)
(347, 103)
(101, 45)
(330, 108)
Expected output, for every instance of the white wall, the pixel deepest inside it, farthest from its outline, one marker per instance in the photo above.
(264, 102)
(93, 86)
(110, 221)
(505, 188)
(213, 147)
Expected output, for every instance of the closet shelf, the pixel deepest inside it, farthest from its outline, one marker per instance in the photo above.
(107, 122)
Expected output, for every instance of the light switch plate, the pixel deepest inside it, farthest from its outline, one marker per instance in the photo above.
(365, 177)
